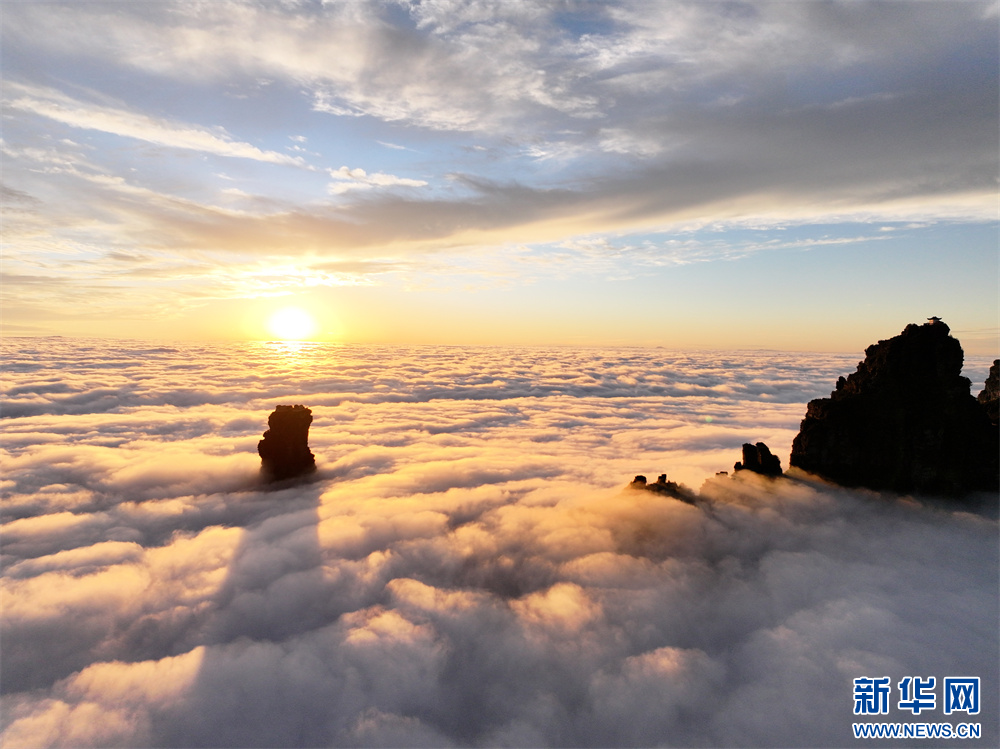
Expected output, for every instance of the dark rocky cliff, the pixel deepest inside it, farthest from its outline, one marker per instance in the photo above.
(905, 421)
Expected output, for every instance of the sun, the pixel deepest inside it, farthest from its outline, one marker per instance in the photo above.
(292, 324)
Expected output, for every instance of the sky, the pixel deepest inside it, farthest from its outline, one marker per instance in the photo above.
(790, 175)
(466, 567)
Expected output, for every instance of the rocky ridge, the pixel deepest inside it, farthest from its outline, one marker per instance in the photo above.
(904, 422)
(664, 487)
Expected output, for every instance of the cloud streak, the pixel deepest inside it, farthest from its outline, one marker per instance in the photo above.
(346, 180)
(116, 121)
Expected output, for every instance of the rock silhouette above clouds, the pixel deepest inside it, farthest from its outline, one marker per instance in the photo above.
(758, 459)
(662, 486)
(284, 451)
(905, 421)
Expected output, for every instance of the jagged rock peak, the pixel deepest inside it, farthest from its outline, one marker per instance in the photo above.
(284, 451)
(905, 421)
(758, 459)
(919, 357)
(989, 398)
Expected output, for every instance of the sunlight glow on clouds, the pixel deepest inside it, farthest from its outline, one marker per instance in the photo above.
(466, 568)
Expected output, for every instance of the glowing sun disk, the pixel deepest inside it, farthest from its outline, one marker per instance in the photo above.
(292, 324)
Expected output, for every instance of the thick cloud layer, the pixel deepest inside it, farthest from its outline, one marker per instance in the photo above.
(465, 569)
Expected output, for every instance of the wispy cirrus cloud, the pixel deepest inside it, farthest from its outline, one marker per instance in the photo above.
(57, 106)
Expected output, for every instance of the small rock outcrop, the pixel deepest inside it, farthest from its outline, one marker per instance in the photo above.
(905, 421)
(284, 451)
(662, 486)
(989, 398)
(758, 459)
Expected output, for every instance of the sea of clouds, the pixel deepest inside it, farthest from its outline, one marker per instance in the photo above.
(466, 567)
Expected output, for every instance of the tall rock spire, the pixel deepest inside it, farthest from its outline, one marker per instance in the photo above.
(284, 451)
